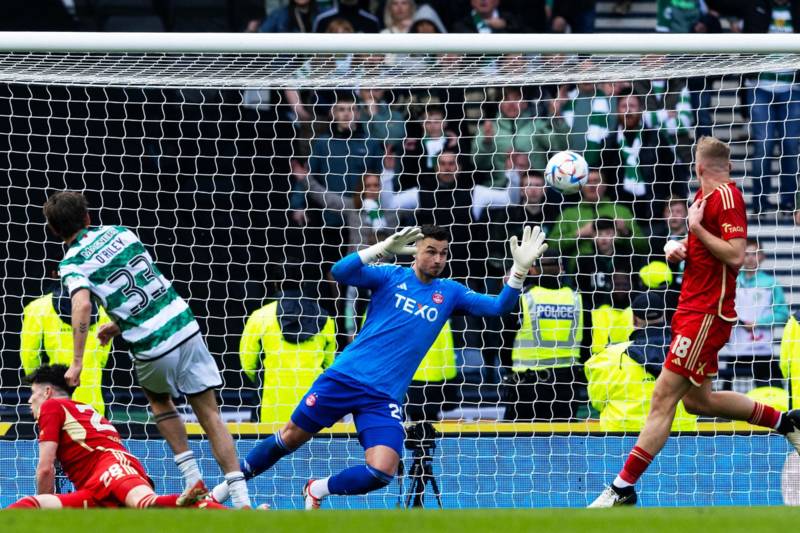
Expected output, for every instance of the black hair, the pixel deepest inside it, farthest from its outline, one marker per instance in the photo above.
(602, 224)
(435, 232)
(52, 375)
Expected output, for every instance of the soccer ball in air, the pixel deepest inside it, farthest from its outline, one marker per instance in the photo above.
(566, 171)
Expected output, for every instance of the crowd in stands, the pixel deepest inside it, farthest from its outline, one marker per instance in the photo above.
(349, 167)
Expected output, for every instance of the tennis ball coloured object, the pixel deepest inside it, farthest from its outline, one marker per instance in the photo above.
(566, 171)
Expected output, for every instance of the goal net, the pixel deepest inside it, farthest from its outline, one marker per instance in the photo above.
(248, 169)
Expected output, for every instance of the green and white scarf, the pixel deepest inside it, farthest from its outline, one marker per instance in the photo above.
(633, 182)
(480, 23)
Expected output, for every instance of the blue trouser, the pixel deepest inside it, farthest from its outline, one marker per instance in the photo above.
(774, 118)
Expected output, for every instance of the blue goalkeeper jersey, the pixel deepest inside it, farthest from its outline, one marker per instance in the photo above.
(404, 317)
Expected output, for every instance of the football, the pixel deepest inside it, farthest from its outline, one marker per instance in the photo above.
(566, 171)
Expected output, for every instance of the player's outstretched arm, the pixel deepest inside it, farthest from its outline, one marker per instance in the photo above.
(81, 313)
(46, 470)
(525, 252)
(353, 270)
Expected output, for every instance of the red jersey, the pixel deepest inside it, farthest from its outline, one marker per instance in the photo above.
(709, 285)
(84, 438)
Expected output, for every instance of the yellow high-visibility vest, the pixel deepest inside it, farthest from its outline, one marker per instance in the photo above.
(790, 359)
(439, 363)
(610, 326)
(552, 329)
(43, 331)
(289, 369)
(621, 389)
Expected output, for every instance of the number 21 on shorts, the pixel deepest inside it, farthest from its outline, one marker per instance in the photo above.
(395, 411)
(681, 345)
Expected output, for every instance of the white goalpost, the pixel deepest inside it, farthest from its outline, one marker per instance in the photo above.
(249, 163)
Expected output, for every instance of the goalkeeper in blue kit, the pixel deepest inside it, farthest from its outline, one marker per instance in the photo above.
(408, 307)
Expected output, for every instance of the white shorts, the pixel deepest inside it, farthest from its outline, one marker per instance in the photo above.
(188, 369)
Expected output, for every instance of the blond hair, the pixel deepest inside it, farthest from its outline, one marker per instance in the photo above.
(714, 153)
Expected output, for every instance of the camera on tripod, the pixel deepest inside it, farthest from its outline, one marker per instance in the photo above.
(421, 436)
(421, 441)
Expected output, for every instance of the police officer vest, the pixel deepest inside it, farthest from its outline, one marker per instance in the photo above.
(551, 332)
(439, 363)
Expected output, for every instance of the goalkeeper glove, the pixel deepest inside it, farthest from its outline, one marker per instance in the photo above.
(401, 243)
(525, 253)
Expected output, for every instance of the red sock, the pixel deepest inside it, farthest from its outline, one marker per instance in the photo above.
(765, 416)
(637, 463)
(28, 502)
(168, 500)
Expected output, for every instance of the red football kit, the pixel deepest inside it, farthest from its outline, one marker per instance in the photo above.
(703, 321)
(91, 453)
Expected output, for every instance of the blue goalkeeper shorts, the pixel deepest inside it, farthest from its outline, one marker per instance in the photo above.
(378, 417)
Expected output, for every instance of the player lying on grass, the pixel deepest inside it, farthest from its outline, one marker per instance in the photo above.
(111, 265)
(701, 326)
(408, 307)
(103, 471)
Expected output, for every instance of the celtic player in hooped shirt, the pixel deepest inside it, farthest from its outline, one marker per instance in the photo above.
(701, 326)
(408, 307)
(110, 264)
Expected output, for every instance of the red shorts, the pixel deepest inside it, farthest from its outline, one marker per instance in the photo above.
(113, 477)
(697, 338)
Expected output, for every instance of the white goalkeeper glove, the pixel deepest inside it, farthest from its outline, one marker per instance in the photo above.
(525, 253)
(401, 243)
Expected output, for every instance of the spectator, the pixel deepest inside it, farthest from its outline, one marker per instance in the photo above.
(761, 306)
(671, 227)
(775, 113)
(509, 219)
(668, 110)
(677, 16)
(296, 17)
(294, 340)
(362, 20)
(595, 270)
(642, 158)
(587, 113)
(398, 15)
(373, 218)
(485, 17)
(47, 334)
(573, 16)
(546, 340)
(426, 20)
(384, 122)
(422, 149)
(613, 322)
(622, 377)
(338, 160)
(575, 228)
(515, 130)
(445, 199)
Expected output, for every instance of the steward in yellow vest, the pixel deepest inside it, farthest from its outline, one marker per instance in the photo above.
(46, 337)
(543, 379)
(612, 324)
(432, 387)
(622, 377)
(790, 358)
(294, 340)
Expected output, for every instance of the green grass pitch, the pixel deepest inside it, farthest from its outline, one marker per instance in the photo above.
(638, 520)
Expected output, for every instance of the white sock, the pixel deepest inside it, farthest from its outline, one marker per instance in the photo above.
(221, 493)
(319, 488)
(621, 483)
(188, 467)
(237, 487)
